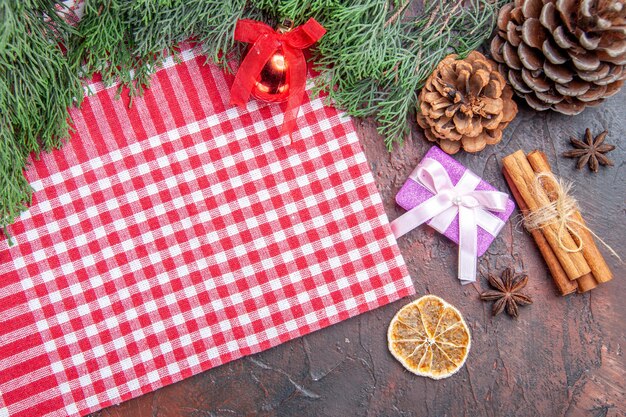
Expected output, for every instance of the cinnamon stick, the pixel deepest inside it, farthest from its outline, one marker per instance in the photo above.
(562, 282)
(586, 282)
(523, 176)
(594, 258)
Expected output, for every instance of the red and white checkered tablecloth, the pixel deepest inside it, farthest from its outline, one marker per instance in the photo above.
(177, 235)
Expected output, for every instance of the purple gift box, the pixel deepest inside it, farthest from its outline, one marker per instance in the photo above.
(413, 194)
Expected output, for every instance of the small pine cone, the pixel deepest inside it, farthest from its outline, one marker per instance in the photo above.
(465, 103)
(562, 55)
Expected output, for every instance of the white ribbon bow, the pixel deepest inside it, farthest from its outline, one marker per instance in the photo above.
(443, 206)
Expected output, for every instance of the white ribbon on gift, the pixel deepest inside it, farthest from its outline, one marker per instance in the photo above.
(472, 207)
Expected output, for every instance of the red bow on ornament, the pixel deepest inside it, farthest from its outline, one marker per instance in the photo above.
(265, 43)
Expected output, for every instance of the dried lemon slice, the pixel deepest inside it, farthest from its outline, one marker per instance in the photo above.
(429, 337)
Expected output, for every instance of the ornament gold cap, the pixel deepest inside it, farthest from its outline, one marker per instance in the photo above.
(285, 26)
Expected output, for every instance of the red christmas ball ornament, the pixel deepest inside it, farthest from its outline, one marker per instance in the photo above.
(272, 84)
(274, 68)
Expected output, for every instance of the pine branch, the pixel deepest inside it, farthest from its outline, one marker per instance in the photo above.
(15, 192)
(373, 58)
(37, 86)
(105, 45)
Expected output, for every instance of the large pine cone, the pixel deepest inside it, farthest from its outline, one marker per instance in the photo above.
(562, 55)
(465, 103)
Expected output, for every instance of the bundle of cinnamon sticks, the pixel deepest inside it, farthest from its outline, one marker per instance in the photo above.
(580, 270)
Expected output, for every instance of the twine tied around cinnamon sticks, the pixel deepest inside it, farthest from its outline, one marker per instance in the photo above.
(560, 210)
(555, 223)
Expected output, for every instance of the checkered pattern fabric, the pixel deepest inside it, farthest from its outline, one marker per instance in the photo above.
(179, 234)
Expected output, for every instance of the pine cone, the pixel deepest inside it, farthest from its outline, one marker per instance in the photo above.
(562, 55)
(465, 103)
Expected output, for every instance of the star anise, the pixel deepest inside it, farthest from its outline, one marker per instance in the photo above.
(591, 151)
(506, 293)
